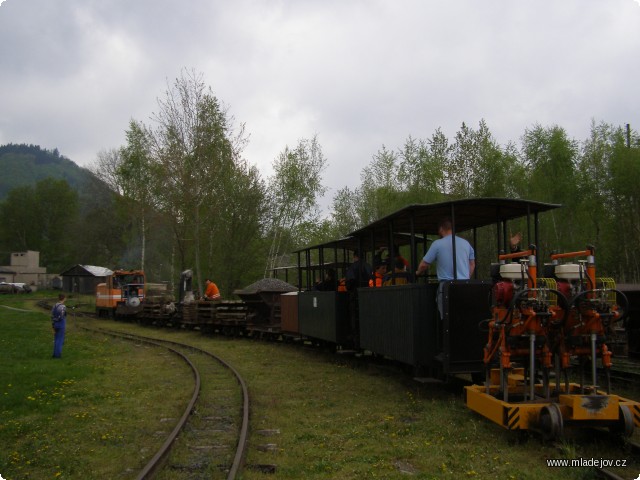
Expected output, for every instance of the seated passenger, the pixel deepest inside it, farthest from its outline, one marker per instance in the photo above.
(329, 283)
(358, 274)
(399, 276)
(400, 258)
(378, 274)
(515, 242)
(211, 292)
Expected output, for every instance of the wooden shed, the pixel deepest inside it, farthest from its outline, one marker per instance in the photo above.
(84, 278)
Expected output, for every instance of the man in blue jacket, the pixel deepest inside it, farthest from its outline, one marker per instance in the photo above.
(59, 324)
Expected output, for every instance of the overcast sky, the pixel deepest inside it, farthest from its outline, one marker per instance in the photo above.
(358, 73)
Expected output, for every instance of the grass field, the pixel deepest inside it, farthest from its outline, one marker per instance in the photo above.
(95, 413)
(314, 414)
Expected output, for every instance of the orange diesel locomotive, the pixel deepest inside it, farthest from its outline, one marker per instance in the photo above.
(122, 294)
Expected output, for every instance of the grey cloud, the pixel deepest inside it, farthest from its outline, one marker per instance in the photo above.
(359, 74)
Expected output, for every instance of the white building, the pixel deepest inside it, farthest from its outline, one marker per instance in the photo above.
(25, 268)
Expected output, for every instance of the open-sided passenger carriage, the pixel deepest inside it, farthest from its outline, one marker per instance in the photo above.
(402, 322)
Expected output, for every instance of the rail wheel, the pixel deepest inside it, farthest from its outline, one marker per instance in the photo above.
(551, 423)
(625, 426)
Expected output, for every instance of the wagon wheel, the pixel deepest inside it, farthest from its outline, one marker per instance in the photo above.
(551, 422)
(624, 426)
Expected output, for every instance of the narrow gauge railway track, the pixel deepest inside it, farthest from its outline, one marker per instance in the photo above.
(626, 371)
(610, 474)
(201, 442)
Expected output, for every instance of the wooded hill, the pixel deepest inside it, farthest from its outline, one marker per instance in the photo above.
(50, 204)
(25, 165)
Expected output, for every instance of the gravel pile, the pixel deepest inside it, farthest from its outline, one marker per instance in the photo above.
(267, 285)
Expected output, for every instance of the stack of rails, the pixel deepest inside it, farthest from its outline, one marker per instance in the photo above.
(231, 313)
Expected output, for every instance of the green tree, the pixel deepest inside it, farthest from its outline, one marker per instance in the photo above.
(203, 185)
(550, 158)
(185, 174)
(294, 190)
(193, 152)
(479, 167)
(135, 173)
(344, 216)
(422, 167)
(381, 192)
(126, 172)
(463, 159)
(101, 230)
(624, 231)
(595, 183)
(234, 240)
(496, 172)
(41, 218)
(19, 219)
(57, 207)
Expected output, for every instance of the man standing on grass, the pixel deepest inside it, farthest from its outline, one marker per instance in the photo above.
(59, 324)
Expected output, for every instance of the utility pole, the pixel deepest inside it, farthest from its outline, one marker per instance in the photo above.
(628, 135)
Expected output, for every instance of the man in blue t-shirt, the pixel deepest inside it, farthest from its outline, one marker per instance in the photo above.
(441, 251)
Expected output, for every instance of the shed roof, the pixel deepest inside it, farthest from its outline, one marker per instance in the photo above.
(87, 270)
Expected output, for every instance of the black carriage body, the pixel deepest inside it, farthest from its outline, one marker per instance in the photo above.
(466, 304)
(403, 324)
(632, 292)
(324, 316)
(399, 322)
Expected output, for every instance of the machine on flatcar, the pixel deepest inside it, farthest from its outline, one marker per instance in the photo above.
(560, 322)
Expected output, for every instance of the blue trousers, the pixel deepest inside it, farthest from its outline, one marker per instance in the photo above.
(58, 341)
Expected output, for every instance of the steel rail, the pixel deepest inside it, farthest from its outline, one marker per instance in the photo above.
(153, 464)
(603, 472)
(238, 461)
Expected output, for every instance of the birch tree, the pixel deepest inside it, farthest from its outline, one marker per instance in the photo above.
(134, 172)
(193, 148)
(422, 167)
(294, 190)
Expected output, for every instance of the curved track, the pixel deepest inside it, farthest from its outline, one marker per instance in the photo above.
(186, 352)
